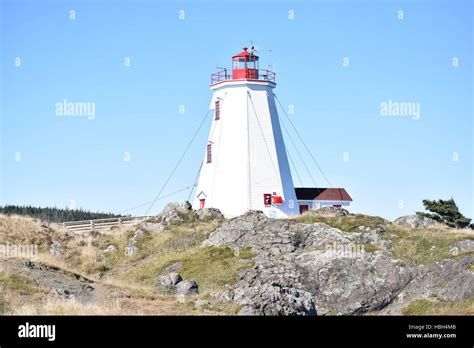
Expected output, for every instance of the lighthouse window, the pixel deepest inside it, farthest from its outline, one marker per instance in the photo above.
(217, 111)
(209, 153)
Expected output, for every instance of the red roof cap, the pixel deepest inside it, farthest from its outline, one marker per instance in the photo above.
(244, 54)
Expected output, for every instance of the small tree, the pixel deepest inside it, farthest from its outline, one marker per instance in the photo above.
(446, 212)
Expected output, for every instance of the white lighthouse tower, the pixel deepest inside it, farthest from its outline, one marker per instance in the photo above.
(245, 162)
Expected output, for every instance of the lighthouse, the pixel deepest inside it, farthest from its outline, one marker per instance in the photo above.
(245, 165)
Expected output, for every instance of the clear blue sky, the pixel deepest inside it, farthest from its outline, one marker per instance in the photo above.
(337, 108)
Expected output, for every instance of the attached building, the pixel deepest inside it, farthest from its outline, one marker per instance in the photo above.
(314, 198)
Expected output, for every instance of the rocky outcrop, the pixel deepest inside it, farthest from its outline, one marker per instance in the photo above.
(447, 280)
(372, 236)
(326, 212)
(301, 269)
(57, 281)
(415, 221)
(207, 214)
(172, 213)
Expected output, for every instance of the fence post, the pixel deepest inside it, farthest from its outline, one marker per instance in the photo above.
(92, 225)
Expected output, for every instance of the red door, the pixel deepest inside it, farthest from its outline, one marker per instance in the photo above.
(201, 203)
(303, 208)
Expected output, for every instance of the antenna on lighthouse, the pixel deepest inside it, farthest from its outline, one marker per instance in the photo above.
(253, 48)
(269, 66)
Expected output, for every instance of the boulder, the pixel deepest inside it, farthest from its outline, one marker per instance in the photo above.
(175, 278)
(207, 214)
(187, 287)
(171, 282)
(415, 221)
(167, 282)
(163, 282)
(173, 213)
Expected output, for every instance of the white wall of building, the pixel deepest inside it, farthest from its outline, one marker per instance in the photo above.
(248, 153)
(321, 204)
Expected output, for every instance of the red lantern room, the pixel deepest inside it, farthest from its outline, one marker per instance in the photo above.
(244, 67)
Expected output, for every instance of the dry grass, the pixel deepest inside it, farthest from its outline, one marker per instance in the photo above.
(114, 306)
(16, 290)
(348, 223)
(435, 307)
(23, 230)
(425, 245)
(210, 267)
(128, 280)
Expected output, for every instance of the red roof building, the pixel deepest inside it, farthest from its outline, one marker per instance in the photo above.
(315, 197)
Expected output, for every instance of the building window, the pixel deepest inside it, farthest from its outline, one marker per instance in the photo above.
(267, 199)
(217, 111)
(209, 153)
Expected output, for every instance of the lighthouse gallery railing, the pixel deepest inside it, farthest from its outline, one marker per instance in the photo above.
(263, 75)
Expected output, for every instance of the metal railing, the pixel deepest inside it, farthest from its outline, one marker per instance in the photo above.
(262, 75)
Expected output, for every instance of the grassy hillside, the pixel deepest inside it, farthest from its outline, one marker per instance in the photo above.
(128, 281)
(126, 284)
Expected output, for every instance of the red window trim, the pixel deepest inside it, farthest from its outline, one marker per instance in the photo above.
(217, 111)
(209, 153)
(267, 199)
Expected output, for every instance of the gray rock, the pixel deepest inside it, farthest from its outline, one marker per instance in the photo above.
(55, 248)
(170, 282)
(173, 268)
(326, 212)
(175, 278)
(152, 226)
(167, 283)
(131, 249)
(110, 249)
(463, 246)
(447, 280)
(299, 268)
(373, 237)
(187, 287)
(210, 214)
(415, 221)
(174, 213)
(164, 284)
